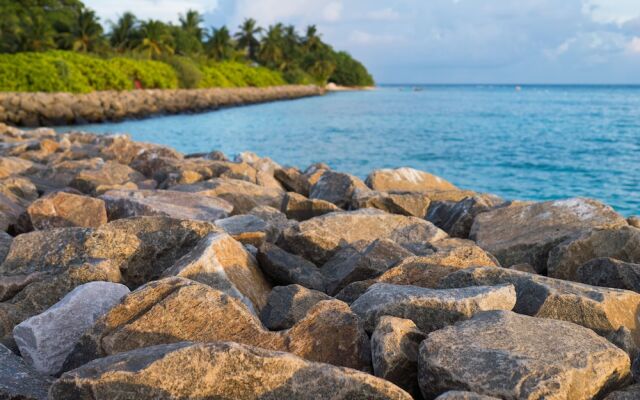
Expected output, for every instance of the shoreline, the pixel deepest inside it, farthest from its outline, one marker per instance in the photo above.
(39, 109)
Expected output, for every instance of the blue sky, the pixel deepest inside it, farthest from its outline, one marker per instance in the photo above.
(447, 41)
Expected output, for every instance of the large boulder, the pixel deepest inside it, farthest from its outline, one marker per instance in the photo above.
(287, 305)
(603, 310)
(45, 340)
(609, 272)
(217, 370)
(293, 180)
(462, 395)
(110, 175)
(169, 203)
(511, 356)
(18, 381)
(394, 352)
(406, 179)
(456, 217)
(337, 188)
(60, 210)
(525, 233)
(247, 229)
(403, 203)
(244, 196)
(5, 245)
(628, 393)
(275, 220)
(430, 309)
(177, 309)
(223, 263)
(16, 194)
(300, 208)
(622, 244)
(318, 239)
(285, 268)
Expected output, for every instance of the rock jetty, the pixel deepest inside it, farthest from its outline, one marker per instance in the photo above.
(129, 270)
(47, 109)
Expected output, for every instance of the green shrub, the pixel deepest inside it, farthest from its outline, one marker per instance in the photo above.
(188, 72)
(151, 74)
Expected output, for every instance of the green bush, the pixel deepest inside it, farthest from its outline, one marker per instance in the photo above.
(188, 72)
(151, 74)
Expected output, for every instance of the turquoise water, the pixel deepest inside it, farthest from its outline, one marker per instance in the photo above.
(540, 143)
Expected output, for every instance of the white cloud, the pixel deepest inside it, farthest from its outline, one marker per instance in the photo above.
(365, 38)
(385, 14)
(164, 10)
(332, 11)
(634, 45)
(616, 11)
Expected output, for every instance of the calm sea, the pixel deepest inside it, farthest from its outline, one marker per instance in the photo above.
(537, 143)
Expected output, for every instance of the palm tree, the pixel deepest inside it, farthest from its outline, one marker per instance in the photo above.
(247, 39)
(155, 38)
(220, 45)
(190, 23)
(124, 33)
(83, 34)
(291, 45)
(272, 52)
(312, 39)
(34, 33)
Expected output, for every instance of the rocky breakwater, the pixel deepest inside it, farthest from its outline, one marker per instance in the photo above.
(45, 109)
(132, 271)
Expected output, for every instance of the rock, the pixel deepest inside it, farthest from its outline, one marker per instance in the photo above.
(276, 221)
(285, 268)
(5, 244)
(603, 310)
(526, 233)
(318, 239)
(523, 268)
(111, 175)
(456, 218)
(300, 208)
(430, 309)
(628, 393)
(511, 356)
(15, 195)
(10, 166)
(60, 210)
(247, 229)
(459, 395)
(402, 203)
(177, 309)
(45, 340)
(287, 305)
(221, 370)
(407, 180)
(337, 188)
(394, 351)
(19, 381)
(622, 244)
(634, 221)
(169, 203)
(611, 273)
(223, 263)
(244, 196)
(293, 180)
(350, 265)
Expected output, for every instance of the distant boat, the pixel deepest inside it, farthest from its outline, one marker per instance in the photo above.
(418, 89)
(518, 88)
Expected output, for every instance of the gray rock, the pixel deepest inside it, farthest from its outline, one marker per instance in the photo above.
(318, 239)
(19, 381)
(276, 221)
(511, 356)
(609, 272)
(602, 309)
(293, 180)
(628, 393)
(285, 268)
(5, 244)
(406, 179)
(300, 208)
(60, 210)
(287, 305)
(337, 188)
(350, 265)
(394, 352)
(525, 233)
(221, 370)
(620, 243)
(45, 340)
(247, 229)
(402, 203)
(430, 309)
(169, 203)
(110, 175)
(456, 217)
(459, 395)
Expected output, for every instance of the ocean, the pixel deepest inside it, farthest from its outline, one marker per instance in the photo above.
(532, 142)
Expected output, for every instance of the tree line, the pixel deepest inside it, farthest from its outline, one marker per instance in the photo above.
(41, 25)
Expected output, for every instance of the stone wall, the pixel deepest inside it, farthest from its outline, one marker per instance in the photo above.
(39, 109)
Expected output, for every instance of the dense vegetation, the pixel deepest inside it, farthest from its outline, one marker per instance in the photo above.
(60, 45)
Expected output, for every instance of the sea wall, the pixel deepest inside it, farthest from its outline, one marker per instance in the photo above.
(39, 109)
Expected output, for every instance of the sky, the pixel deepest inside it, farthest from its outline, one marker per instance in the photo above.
(446, 41)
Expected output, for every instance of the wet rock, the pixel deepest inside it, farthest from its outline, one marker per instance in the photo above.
(221, 370)
(603, 310)
(394, 351)
(244, 196)
(285, 268)
(337, 188)
(456, 218)
(223, 263)
(5, 244)
(247, 229)
(526, 233)
(406, 179)
(111, 175)
(622, 244)
(293, 180)
(402, 203)
(350, 265)
(511, 356)
(276, 221)
(287, 305)
(60, 210)
(45, 340)
(318, 239)
(460, 395)
(628, 393)
(430, 309)
(19, 381)
(609, 272)
(169, 203)
(300, 208)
